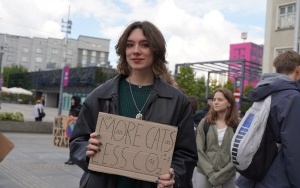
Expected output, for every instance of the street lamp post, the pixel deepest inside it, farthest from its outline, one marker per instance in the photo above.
(66, 28)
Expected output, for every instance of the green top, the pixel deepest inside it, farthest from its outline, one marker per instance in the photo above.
(128, 109)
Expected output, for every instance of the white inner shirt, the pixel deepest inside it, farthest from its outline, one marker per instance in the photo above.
(221, 133)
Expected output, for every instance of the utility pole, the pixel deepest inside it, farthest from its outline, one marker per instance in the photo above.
(66, 28)
(296, 27)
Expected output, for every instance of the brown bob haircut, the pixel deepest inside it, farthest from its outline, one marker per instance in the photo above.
(231, 117)
(157, 46)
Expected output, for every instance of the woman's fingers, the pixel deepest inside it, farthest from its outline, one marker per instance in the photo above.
(166, 180)
(94, 144)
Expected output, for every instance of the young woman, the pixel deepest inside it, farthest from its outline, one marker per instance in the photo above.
(214, 134)
(137, 92)
(74, 112)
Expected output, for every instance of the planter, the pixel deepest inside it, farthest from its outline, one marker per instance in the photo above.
(26, 127)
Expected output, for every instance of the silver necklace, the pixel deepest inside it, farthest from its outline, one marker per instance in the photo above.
(139, 115)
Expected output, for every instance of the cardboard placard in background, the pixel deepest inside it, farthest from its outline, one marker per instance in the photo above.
(5, 146)
(134, 148)
(62, 130)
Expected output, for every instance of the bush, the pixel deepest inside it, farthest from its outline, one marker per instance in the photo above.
(10, 116)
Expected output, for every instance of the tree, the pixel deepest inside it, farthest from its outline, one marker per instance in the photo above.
(189, 84)
(13, 69)
(229, 85)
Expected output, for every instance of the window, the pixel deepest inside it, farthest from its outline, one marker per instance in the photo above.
(93, 60)
(102, 55)
(84, 52)
(38, 59)
(25, 50)
(69, 60)
(281, 50)
(39, 50)
(54, 51)
(94, 53)
(286, 16)
(24, 59)
(84, 61)
(9, 58)
(70, 52)
(11, 49)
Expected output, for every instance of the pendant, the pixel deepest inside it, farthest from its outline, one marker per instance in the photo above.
(139, 116)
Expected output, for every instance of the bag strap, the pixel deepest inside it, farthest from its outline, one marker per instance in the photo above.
(205, 129)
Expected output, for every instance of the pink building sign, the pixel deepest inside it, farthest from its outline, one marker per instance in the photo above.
(66, 75)
(252, 54)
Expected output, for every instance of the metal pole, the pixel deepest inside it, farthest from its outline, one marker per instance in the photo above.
(1, 80)
(61, 89)
(296, 28)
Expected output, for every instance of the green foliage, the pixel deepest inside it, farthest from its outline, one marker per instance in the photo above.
(229, 85)
(10, 116)
(189, 84)
(13, 69)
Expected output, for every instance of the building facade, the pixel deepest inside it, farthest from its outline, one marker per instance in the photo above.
(281, 30)
(38, 54)
(81, 81)
(252, 55)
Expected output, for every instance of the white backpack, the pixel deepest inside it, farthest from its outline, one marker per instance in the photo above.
(253, 146)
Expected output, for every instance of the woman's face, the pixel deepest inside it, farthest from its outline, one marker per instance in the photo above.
(138, 53)
(72, 102)
(220, 103)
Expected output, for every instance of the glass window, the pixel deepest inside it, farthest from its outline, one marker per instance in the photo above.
(102, 55)
(93, 60)
(54, 51)
(25, 50)
(282, 50)
(39, 50)
(94, 53)
(10, 58)
(38, 59)
(70, 52)
(24, 59)
(10, 49)
(84, 52)
(84, 61)
(286, 18)
(69, 60)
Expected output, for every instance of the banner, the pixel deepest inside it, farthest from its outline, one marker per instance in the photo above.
(62, 130)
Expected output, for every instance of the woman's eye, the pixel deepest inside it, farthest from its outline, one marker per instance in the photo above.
(146, 45)
(129, 45)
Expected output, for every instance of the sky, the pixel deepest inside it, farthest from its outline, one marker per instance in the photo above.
(195, 30)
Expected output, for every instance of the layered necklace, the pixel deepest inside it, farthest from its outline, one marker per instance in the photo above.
(139, 115)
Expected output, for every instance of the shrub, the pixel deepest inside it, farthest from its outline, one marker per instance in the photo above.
(11, 116)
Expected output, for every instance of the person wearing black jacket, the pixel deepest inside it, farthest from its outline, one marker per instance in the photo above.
(75, 106)
(138, 91)
(74, 112)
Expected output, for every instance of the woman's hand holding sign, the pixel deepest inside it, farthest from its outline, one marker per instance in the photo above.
(166, 180)
(94, 144)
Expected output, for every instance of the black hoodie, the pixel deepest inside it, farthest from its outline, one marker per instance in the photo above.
(75, 109)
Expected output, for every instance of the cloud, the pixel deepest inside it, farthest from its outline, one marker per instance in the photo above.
(195, 30)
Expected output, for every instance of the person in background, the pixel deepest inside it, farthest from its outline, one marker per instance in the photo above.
(37, 109)
(74, 112)
(194, 107)
(138, 91)
(75, 106)
(214, 135)
(283, 121)
(43, 100)
(201, 113)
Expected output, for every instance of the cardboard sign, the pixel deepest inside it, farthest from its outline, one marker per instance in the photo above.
(62, 130)
(134, 148)
(5, 146)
